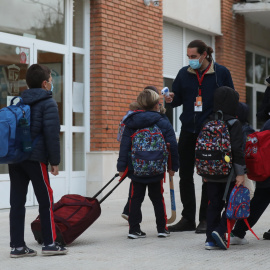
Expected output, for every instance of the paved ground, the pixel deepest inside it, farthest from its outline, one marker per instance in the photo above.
(105, 246)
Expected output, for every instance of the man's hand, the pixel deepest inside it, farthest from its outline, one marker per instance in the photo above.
(121, 174)
(170, 98)
(54, 170)
(171, 173)
(240, 180)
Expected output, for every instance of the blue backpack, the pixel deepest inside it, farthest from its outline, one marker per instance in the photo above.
(15, 143)
(238, 208)
(149, 153)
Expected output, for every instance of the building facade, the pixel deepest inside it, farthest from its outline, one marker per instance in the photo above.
(104, 52)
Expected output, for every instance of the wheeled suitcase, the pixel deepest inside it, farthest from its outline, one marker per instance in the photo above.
(73, 214)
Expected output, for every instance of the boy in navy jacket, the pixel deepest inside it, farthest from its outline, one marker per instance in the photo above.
(148, 101)
(45, 129)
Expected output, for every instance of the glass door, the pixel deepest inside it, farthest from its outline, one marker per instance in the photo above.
(14, 61)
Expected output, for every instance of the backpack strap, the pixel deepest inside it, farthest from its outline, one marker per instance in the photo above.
(245, 220)
(230, 224)
(218, 114)
(231, 121)
(228, 184)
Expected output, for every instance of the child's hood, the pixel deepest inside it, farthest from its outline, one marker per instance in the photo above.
(226, 99)
(242, 112)
(140, 120)
(32, 95)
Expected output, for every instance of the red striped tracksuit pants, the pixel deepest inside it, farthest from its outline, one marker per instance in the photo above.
(20, 175)
(155, 192)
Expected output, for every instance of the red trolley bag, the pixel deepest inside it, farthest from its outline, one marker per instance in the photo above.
(73, 214)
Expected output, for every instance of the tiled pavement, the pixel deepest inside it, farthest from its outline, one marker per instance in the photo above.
(105, 245)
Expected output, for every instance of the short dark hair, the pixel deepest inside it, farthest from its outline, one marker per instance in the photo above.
(36, 74)
(201, 48)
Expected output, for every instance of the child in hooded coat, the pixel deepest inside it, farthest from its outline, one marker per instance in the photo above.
(148, 101)
(225, 100)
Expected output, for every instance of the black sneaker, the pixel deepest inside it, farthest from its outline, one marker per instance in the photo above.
(136, 235)
(54, 250)
(26, 251)
(164, 234)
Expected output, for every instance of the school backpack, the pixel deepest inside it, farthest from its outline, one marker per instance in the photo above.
(238, 208)
(149, 153)
(257, 155)
(121, 129)
(121, 126)
(213, 156)
(15, 143)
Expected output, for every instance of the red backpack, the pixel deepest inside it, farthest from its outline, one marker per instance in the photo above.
(257, 155)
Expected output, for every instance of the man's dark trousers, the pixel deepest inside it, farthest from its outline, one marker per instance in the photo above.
(186, 150)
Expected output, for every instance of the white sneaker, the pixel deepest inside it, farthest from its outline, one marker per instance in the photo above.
(124, 216)
(237, 240)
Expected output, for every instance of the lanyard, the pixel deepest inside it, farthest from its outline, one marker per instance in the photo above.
(201, 79)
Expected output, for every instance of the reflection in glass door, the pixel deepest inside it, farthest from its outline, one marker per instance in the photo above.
(14, 61)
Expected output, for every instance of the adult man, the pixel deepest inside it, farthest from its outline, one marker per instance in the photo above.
(194, 88)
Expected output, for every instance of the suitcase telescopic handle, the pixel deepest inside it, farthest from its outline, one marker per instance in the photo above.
(120, 181)
(116, 175)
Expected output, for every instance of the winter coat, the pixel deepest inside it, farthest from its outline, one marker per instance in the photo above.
(263, 113)
(45, 125)
(139, 120)
(226, 100)
(242, 115)
(185, 89)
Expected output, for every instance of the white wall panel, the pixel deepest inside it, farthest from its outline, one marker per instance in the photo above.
(196, 14)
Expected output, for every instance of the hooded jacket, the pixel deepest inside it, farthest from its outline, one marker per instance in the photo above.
(266, 183)
(45, 125)
(139, 120)
(185, 89)
(263, 113)
(226, 100)
(242, 115)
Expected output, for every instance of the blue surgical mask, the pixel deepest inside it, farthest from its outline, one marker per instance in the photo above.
(51, 86)
(195, 63)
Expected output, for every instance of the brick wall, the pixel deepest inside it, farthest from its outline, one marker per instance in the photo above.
(125, 56)
(230, 48)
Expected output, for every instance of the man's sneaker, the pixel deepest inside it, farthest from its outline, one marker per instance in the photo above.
(220, 242)
(183, 225)
(237, 240)
(266, 235)
(164, 234)
(210, 246)
(26, 251)
(124, 216)
(54, 250)
(136, 235)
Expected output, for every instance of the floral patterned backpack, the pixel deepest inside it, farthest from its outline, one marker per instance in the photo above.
(213, 156)
(149, 153)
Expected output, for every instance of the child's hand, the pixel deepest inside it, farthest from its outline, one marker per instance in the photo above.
(205, 180)
(240, 180)
(121, 173)
(171, 173)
